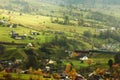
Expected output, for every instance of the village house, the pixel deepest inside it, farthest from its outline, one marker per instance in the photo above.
(105, 29)
(17, 36)
(3, 21)
(35, 33)
(101, 30)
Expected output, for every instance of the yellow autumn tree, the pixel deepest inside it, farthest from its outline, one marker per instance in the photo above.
(4, 72)
(30, 70)
(68, 68)
(115, 66)
(75, 54)
(89, 61)
(102, 71)
(72, 74)
(56, 75)
(38, 72)
(97, 70)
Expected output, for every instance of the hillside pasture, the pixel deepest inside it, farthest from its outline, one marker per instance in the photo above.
(39, 22)
(36, 23)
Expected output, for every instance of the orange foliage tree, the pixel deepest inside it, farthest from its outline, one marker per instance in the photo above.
(56, 76)
(30, 70)
(68, 68)
(72, 74)
(38, 72)
(89, 61)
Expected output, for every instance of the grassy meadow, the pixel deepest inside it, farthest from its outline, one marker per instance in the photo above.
(36, 23)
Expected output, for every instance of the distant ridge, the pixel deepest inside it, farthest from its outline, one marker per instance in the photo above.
(36, 6)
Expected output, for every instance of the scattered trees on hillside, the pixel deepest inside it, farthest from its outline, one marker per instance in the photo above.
(88, 34)
(110, 34)
(55, 49)
(2, 49)
(80, 22)
(110, 63)
(66, 19)
(32, 58)
(110, 20)
(117, 58)
(51, 19)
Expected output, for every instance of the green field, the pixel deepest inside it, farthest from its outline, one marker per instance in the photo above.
(39, 24)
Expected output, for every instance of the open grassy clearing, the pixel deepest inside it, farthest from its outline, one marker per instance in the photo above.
(97, 62)
(5, 35)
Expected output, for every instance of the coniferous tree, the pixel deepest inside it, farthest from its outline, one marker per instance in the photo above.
(110, 63)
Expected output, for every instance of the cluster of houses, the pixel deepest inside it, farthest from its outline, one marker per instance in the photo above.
(2, 22)
(13, 34)
(9, 66)
(105, 29)
(17, 36)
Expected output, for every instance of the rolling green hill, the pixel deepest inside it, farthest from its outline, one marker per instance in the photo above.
(36, 30)
(53, 36)
(48, 18)
(102, 11)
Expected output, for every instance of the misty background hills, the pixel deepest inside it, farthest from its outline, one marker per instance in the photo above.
(49, 6)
